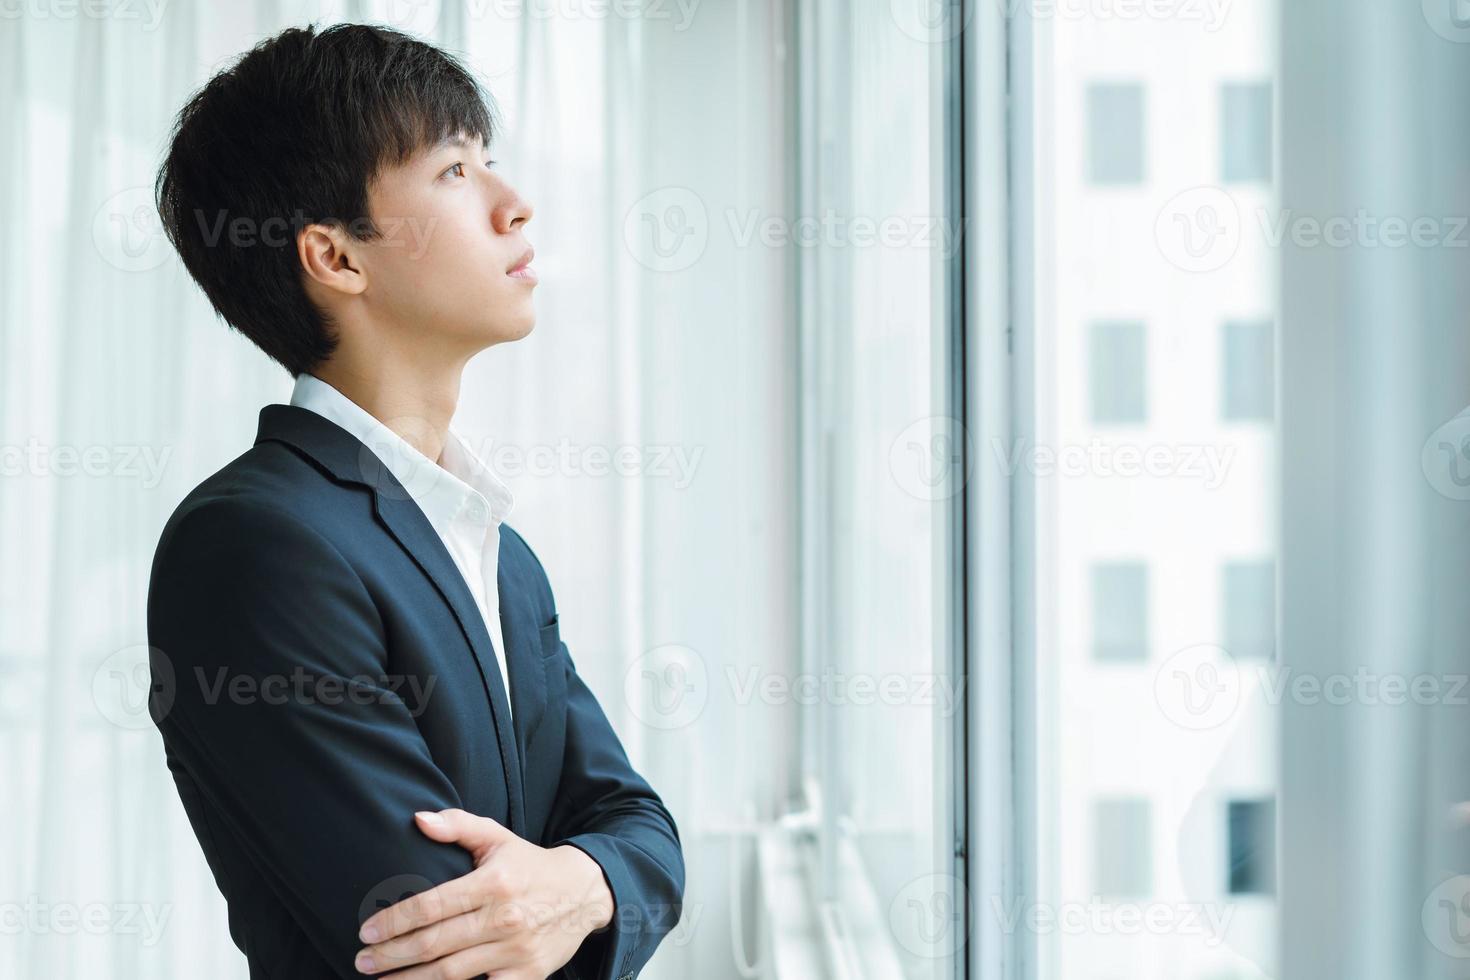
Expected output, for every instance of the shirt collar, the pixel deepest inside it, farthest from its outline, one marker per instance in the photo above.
(458, 488)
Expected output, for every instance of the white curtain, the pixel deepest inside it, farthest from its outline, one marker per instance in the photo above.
(120, 390)
(1375, 536)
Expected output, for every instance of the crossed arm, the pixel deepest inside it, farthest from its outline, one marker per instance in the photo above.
(322, 797)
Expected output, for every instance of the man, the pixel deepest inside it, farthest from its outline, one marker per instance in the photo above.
(380, 740)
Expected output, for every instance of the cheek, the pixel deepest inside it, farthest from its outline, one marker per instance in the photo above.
(453, 253)
(446, 229)
(432, 230)
(431, 257)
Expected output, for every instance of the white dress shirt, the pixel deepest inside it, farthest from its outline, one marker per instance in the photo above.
(463, 500)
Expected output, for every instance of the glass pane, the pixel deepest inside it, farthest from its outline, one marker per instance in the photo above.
(1252, 847)
(1149, 163)
(1249, 609)
(1248, 371)
(1118, 373)
(1120, 612)
(884, 470)
(1116, 136)
(1123, 847)
(1245, 131)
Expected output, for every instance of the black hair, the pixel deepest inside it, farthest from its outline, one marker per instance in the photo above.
(291, 134)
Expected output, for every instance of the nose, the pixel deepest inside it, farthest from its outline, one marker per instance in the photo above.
(511, 210)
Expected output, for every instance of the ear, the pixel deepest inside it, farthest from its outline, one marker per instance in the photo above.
(332, 258)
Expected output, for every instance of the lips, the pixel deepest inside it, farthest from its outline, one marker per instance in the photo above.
(522, 262)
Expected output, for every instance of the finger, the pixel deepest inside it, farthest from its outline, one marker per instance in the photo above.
(434, 942)
(463, 965)
(456, 897)
(455, 826)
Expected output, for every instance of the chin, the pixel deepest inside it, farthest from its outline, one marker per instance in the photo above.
(508, 329)
(522, 327)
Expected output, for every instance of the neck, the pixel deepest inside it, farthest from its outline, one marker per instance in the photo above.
(416, 400)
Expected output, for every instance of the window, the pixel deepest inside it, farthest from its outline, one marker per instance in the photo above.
(1248, 379)
(1123, 848)
(1118, 373)
(1252, 847)
(1245, 132)
(1249, 609)
(1120, 612)
(1115, 128)
(1131, 578)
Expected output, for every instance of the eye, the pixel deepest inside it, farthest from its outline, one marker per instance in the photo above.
(489, 164)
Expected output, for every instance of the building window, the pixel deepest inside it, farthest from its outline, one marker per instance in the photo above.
(1123, 848)
(1118, 370)
(1248, 379)
(1115, 133)
(1252, 847)
(1120, 612)
(1245, 132)
(1248, 602)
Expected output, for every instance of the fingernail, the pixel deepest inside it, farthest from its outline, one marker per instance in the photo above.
(428, 816)
(369, 934)
(364, 963)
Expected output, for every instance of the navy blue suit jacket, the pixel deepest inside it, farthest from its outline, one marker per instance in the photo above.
(321, 671)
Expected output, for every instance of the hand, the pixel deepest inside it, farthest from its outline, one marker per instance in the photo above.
(522, 913)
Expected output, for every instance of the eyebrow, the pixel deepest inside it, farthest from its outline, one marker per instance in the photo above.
(461, 141)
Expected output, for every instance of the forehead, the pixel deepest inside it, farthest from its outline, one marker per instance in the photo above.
(461, 141)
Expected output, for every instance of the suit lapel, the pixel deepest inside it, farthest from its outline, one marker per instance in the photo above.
(347, 459)
(519, 626)
(408, 524)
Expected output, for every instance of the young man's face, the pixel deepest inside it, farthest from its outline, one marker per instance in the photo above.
(452, 262)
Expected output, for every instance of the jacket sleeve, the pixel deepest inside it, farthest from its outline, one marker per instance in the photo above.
(268, 659)
(606, 809)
